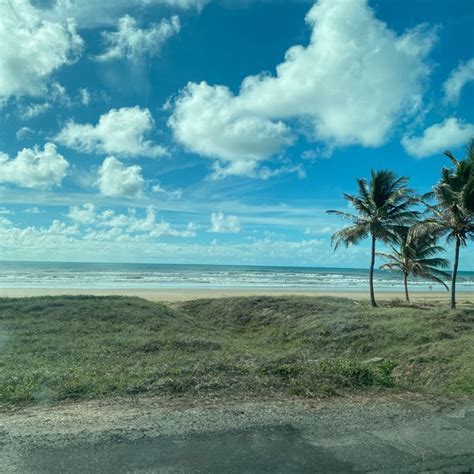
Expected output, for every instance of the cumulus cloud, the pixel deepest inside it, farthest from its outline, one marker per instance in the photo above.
(116, 179)
(96, 243)
(221, 223)
(349, 85)
(458, 78)
(212, 122)
(119, 132)
(85, 214)
(32, 49)
(125, 224)
(352, 81)
(450, 133)
(160, 228)
(60, 228)
(34, 168)
(24, 242)
(132, 43)
(55, 228)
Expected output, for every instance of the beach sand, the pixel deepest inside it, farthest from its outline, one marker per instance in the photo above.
(183, 294)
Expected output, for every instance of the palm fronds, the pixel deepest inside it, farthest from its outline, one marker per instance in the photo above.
(383, 205)
(452, 215)
(415, 257)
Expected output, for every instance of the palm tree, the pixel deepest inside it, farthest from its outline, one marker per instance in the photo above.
(383, 205)
(453, 213)
(461, 179)
(416, 257)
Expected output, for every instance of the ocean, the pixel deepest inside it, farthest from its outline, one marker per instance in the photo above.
(167, 276)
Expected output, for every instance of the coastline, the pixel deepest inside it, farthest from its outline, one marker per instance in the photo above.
(184, 294)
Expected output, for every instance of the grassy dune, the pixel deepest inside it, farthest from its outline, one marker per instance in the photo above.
(55, 348)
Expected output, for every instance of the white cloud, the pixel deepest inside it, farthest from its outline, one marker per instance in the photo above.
(350, 85)
(116, 179)
(60, 228)
(183, 4)
(23, 132)
(132, 42)
(85, 214)
(32, 210)
(322, 230)
(96, 243)
(25, 242)
(93, 13)
(109, 218)
(84, 96)
(267, 173)
(170, 194)
(34, 168)
(27, 112)
(32, 49)
(450, 133)
(158, 229)
(5, 211)
(125, 224)
(221, 223)
(164, 228)
(56, 94)
(113, 243)
(119, 131)
(4, 223)
(458, 78)
(55, 228)
(212, 122)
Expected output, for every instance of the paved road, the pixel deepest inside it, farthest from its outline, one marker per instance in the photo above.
(277, 449)
(344, 437)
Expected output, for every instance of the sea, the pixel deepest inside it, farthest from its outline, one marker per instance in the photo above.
(169, 276)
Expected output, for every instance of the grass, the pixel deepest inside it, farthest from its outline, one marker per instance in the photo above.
(56, 348)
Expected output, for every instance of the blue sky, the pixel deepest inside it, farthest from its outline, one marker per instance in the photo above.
(219, 131)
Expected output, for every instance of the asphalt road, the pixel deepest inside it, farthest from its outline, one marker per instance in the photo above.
(380, 436)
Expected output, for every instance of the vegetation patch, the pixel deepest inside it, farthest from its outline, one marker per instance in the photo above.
(57, 348)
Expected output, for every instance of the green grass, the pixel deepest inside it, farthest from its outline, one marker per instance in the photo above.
(56, 348)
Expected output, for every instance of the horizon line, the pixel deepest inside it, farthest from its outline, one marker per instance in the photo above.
(204, 264)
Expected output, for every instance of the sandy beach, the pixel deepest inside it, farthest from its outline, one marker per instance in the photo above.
(184, 294)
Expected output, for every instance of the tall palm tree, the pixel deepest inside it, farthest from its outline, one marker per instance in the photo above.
(383, 205)
(416, 257)
(452, 214)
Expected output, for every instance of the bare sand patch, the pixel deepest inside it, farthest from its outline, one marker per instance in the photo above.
(184, 294)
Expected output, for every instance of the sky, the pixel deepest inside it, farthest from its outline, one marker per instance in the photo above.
(220, 131)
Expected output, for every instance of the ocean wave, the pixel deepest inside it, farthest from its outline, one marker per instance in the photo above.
(103, 276)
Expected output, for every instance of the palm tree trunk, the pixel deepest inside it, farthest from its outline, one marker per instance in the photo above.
(371, 274)
(405, 282)
(455, 273)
